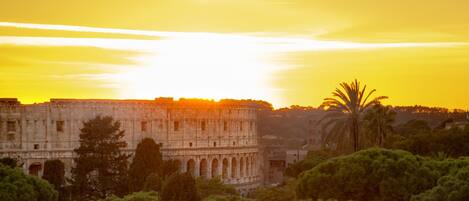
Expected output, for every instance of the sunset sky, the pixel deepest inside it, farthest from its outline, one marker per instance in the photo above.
(285, 52)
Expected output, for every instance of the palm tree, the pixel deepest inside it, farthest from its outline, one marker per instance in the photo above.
(344, 112)
(379, 120)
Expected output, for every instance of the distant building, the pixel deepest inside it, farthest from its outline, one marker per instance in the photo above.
(295, 155)
(458, 124)
(274, 164)
(207, 138)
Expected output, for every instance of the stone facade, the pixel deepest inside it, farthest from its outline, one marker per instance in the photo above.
(208, 138)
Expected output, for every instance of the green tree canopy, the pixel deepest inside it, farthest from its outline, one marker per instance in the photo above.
(54, 173)
(180, 187)
(452, 187)
(153, 183)
(136, 196)
(373, 174)
(16, 186)
(101, 166)
(147, 160)
(214, 186)
(312, 159)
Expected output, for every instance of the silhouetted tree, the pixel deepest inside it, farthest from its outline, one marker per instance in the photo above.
(180, 187)
(11, 162)
(54, 173)
(147, 160)
(169, 167)
(378, 122)
(344, 112)
(153, 182)
(101, 167)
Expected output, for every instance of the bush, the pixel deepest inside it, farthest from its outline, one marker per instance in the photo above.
(214, 186)
(373, 174)
(225, 198)
(16, 186)
(137, 196)
(180, 187)
(153, 183)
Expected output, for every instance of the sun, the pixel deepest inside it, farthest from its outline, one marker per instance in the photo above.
(201, 65)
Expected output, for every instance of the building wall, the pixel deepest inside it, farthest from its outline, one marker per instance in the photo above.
(207, 138)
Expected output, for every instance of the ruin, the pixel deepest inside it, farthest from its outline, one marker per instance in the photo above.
(207, 138)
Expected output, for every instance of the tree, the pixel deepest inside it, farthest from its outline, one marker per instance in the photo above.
(169, 167)
(282, 193)
(136, 196)
(11, 162)
(180, 187)
(147, 160)
(226, 198)
(344, 112)
(153, 183)
(378, 122)
(54, 173)
(16, 186)
(373, 174)
(453, 187)
(214, 186)
(101, 167)
(312, 159)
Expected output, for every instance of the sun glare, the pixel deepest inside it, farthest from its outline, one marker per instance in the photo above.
(204, 66)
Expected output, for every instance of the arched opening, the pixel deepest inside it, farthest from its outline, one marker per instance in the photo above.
(191, 167)
(203, 168)
(234, 167)
(35, 168)
(225, 169)
(178, 164)
(214, 168)
(241, 167)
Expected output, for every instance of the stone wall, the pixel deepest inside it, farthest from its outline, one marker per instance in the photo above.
(208, 138)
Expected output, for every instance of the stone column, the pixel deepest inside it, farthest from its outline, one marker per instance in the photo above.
(197, 167)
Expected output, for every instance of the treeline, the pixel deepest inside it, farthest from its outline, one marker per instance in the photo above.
(297, 123)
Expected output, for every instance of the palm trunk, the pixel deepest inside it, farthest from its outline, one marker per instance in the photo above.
(355, 134)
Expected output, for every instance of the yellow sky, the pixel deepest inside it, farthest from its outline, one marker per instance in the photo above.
(285, 52)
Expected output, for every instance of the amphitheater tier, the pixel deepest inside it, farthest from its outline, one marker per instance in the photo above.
(207, 138)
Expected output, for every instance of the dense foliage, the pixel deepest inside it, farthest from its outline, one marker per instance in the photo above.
(11, 162)
(147, 160)
(54, 173)
(214, 186)
(101, 166)
(180, 187)
(136, 196)
(153, 182)
(16, 186)
(281, 193)
(311, 160)
(226, 198)
(379, 174)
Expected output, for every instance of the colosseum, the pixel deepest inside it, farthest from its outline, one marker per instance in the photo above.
(207, 138)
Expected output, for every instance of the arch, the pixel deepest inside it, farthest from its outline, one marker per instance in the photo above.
(35, 168)
(225, 169)
(203, 168)
(178, 164)
(191, 166)
(234, 167)
(241, 167)
(214, 168)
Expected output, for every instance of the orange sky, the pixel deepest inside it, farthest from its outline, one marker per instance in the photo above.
(285, 52)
